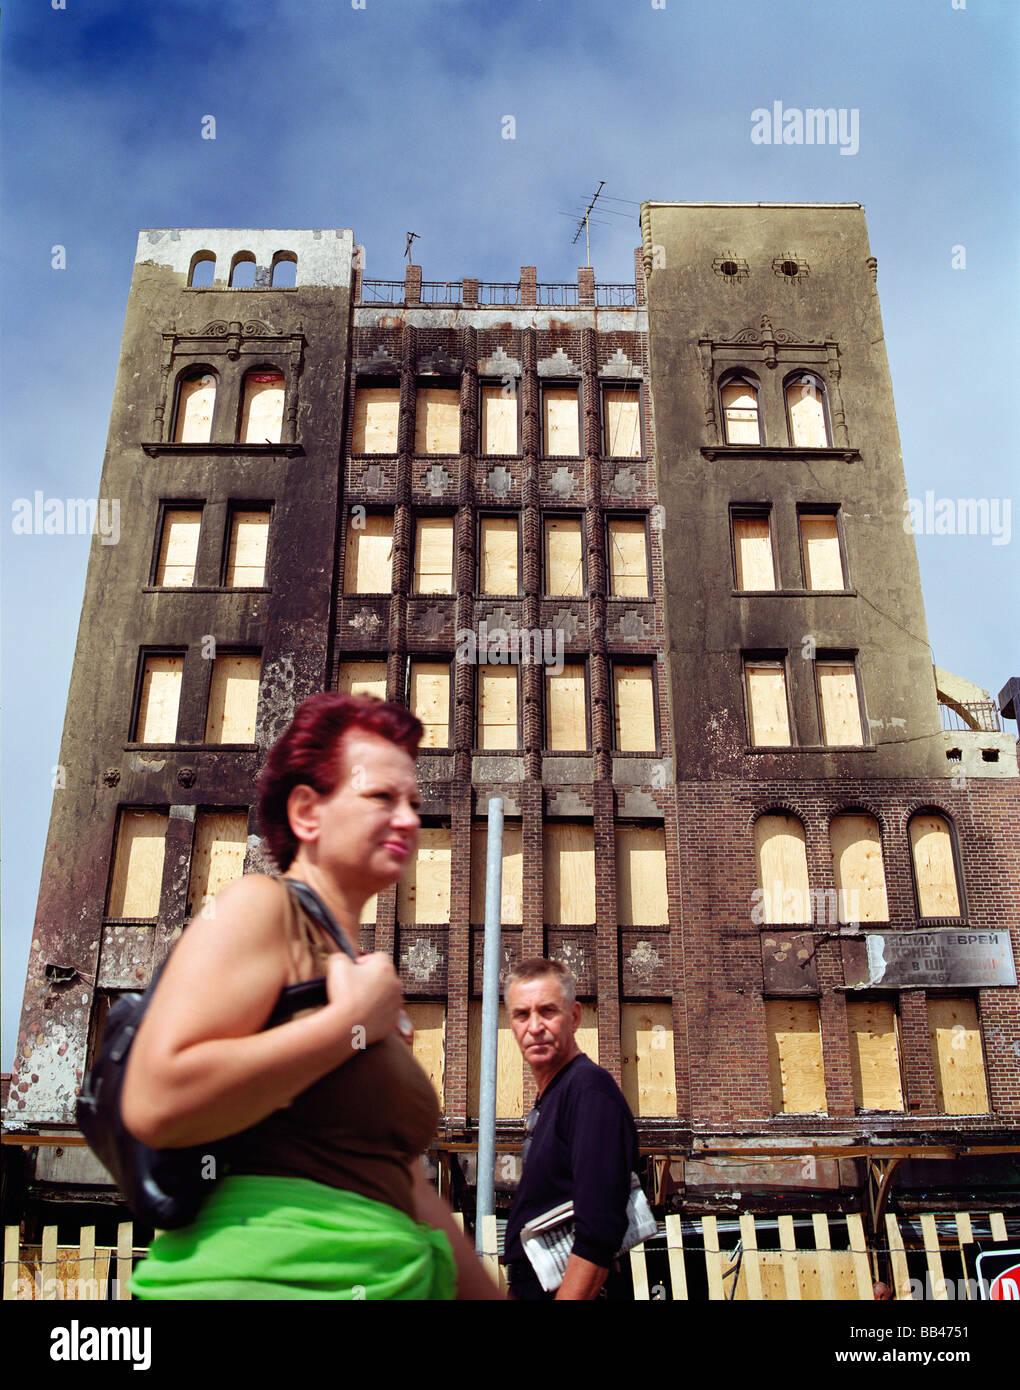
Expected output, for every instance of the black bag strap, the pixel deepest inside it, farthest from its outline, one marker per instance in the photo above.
(308, 994)
(320, 913)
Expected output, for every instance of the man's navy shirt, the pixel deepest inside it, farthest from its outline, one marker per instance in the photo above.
(583, 1149)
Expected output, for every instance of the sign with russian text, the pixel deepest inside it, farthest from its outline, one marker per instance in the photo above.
(897, 960)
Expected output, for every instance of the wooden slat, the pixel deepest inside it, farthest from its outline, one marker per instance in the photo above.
(857, 868)
(376, 419)
(497, 707)
(249, 542)
(675, 1255)
(499, 421)
(751, 1262)
(233, 699)
(767, 711)
(648, 1075)
(262, 411)
(12, 1243)
(498, 555)
(934, 1254)
(841, 710)
(178, 547)
(713, 1259)
(221, 838)
(368, 559)
(780, 850)
(874, 1054)
(160, 699)
(997, 1223)
(934, 868)
(48, 1261)
(796, 1072)
(125, 1239)
(865, 1283)
(957, 1056)
(138, 864)
(639, 1273)
(823, 1245)
(87, 1253)
(512, 894)
(964, 1237)
(569, 878)
(752, 548)
(788, 1246)
(433, 555)
(490, 1247)
(622, 421)
(642, 898)
(566, 716)
(560, 420)
(823, 566)
(901, 1271)
(634, 708)
(564, 572)
(362, 678)
(437, 420)
(423, 894)
(628, 558)
(430, 701)
(509, 1065)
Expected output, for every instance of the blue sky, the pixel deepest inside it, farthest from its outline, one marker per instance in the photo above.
(388, 118)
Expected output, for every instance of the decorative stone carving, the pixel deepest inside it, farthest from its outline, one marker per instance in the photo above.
(566, 622)
(437, 480)
(644, 961)
(186, 777)
(559, 364)
(373, 477)
(421, 959)
(432, 622)
(626, 482)
(499, 480)
(562, 482)
(366, 621)
(499, 364)
(632, 625)
(380, 362)
(619, 365)
(439, 363)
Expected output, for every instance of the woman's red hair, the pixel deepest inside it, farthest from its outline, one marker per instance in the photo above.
(310, 753)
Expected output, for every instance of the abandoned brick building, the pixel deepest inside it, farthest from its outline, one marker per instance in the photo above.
(635, 555)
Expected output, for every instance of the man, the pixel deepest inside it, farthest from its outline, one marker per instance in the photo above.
(582, 1143)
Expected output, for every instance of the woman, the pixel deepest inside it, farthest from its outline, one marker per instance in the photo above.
(325, 1196)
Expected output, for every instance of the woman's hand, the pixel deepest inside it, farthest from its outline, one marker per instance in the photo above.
(369, 990)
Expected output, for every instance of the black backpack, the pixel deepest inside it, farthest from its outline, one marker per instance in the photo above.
(165, 1187)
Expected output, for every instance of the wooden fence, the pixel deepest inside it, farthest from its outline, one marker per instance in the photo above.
(695, 1265)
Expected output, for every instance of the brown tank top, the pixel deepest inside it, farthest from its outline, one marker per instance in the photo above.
(356, 1128)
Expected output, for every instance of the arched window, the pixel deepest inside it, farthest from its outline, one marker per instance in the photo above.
(780, 851)
(196, 400)
(935, 875)
(262, 406)
(242, 271)
(203, 270)
(741, 417)
(857, 868)
(806, 413)
(284, 276)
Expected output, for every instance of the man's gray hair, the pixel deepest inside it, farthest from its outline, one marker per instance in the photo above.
(538, 966)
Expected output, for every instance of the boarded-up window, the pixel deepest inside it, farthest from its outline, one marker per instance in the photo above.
(780, 850)
(569, 878)
(233, 699)
(362, 678)
(221, 838)
(430, 701)
(497, 707)
(368, 565)
(262, 408)
(560, 420)
(767, 714)
(587, 1035)
(857, 869)
(628, 561)
(512, 893)
(647, 1072)
(622, 417)
(796, 1074)
(437, 420)
(196, 400)
(740, 413)
(634, 709)
(433, 555)
(159, 699)
(805, 402)
(874, 1055)
(429, 1023)
(566, 723)
(819, 539)
(509, 1065)
(752, 552)
(497, 562)
(376, 417)
(564, 573)
(137, 877)
(957, 1056)
(931, 844)
(837, 699)
(178, 547)
(246, 557)
(499, 420)
(642, 899)
(424, 892)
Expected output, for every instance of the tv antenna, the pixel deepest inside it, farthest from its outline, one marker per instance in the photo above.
(584, 222)
(411, 236)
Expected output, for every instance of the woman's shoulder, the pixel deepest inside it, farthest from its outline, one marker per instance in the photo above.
(255, 902)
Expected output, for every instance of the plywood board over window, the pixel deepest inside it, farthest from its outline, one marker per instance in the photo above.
(587, 1034)
(840, 707)
(437, 420)
(233, 699)
(767, 713)
(622, 422)
(430, 701)
(498, 555)
(159, 700)
(569, 878)
(648, 1074)
(752, 552)
(178, 547)
(957, 1056)
(497, 707)
(807, 414)
(560, 420)
(509, 1065)
(780, 851)
(262, 409)
(368, 563)
(642, 899)
(740, 413)
(565, 715)
(249, 542)
(196, 401)
(221, 838)
(376, 418)
(499, 420)
(424, 891)
(628, 558)
(433, 555)
(137, 878)
(564, 573)
(362, 678)
(931, 843)
(796, 1074)
(823, 563)
(634, 708)
(874, 1055)
(857, 868)
(429, 1023)
(512, 890)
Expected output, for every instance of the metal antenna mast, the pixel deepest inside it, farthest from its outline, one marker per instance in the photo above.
(584, 222)
(411, 236)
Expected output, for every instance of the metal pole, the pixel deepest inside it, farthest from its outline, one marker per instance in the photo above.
(485, 1204)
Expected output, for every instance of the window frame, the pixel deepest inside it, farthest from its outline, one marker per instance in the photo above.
(124, 809)
(433, 659)
(174, 504)
(637, 659)
(391, 512)
(790, 379)
(833, 509)
(234, 506)
(584, 662)
(744, 377)
(561, 384)
(484, 381)
(144, 653)
(579, 517)
(839, 657)
(753, 511)
(477, 748)
(439, 382)
(226, 650)
(890, 997)
(489, 514)
(608, 518)
(621, 384)
(762, 657)
(384, 382)
(264, 367)
(954, 840)
(427, 514)
(185, 372)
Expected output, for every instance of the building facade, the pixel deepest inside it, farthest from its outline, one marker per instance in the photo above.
(635, 555)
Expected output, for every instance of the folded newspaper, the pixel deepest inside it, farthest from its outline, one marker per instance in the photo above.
(549, 1239)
